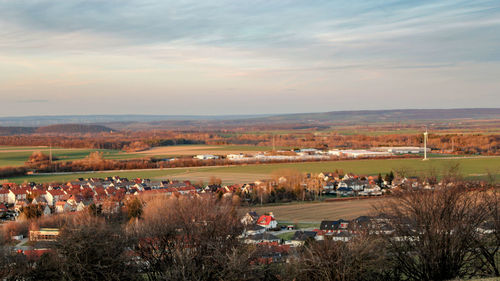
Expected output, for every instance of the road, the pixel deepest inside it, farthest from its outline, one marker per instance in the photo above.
(19, 246)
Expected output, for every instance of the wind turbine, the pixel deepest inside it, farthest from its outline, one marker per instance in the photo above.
(425, 144)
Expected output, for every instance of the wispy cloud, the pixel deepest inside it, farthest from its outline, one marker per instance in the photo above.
(193, 47)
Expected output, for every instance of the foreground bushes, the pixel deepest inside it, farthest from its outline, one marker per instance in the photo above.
(434, 236)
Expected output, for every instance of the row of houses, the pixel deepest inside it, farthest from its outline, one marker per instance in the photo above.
(337, 230)
(108, 193)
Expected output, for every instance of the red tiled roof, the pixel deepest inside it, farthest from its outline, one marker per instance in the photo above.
(18, 191)
(100, 191)
(39, 192)
(56, 192)
(265, 220)
(36, 253)
(187, 188)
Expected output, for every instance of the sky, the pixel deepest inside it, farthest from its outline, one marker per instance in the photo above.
(214, 57)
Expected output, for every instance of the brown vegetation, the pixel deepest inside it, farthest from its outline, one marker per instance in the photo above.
(137, 141)
(436, 233)
(418, 235)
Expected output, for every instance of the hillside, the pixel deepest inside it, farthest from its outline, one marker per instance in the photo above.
(324, 120)
(389, 115)
(7, 131)
(53, 124)
(72, 129)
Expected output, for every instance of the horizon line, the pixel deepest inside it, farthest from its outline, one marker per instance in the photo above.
(242, 115)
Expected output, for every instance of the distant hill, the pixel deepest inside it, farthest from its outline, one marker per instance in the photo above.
(72, 129)
(103, 123)
(390, 115)
(7, 131)
(38, 121)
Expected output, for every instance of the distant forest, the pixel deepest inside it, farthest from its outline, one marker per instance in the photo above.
(484, 144)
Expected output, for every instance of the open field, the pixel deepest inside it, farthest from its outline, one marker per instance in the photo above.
(183, 150)
(204, 176)
(315, 212)
(71, 176)
(16, 156)
(471, 167)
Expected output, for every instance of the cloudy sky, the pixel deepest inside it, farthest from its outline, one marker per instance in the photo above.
(246, 57)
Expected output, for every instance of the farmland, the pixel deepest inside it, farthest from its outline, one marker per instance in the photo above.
(469, 167)
(184, 150)
(17, 155)
(315, 212)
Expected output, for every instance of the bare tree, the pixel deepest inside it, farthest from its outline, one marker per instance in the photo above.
(359, 259)
(187, 238)
(488, 245)
(434, 232)
(91, 249)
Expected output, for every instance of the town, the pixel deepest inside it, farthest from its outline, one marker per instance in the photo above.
(110, 193)
(41, 208)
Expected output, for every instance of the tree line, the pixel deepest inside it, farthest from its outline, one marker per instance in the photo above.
(480, 143)
(41, 163)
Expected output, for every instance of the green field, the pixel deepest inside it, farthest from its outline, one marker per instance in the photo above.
(16, 156)
(470, 168)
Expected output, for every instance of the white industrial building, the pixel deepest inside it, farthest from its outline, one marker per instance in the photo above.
(206, 157)
(358, 153)
(402, 149)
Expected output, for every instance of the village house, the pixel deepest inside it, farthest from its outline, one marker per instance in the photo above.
(334, 226)
(253, 229)
(372, 189)
(44, 234)
(3, 209)
(47, 211)
(62, 207)
(250, 218)
(16, 195)
(300, 237)
(39, 200)
(4, 195)
(342, 236)
(345, 191)
(353, 183)
(54, 195)
(81, 206)
(329, 187)
(268, 221)
(262, 238)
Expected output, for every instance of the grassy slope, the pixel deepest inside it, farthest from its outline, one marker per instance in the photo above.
(67, 177)
(13, 157)
(468, 167)
(371, 167)
(17, 155)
